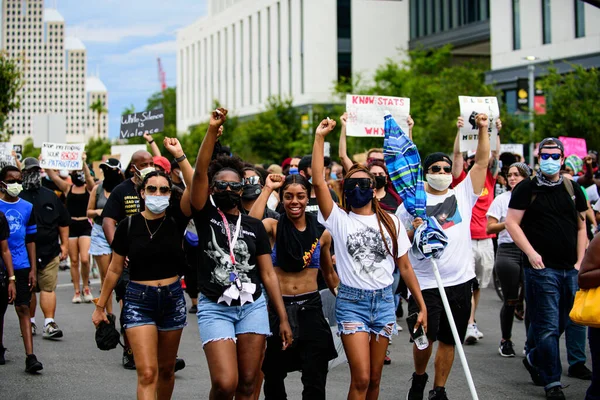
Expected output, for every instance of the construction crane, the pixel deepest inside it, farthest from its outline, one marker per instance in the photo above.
(162, 77)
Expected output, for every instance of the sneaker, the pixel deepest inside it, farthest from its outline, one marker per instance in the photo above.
(555, 393)
(179, 364)
(77, 298)
(479, 334)
(418, 386)
(506, 349)
(128, 361)
(2, 359)
(387, 360)
(51, 331)
(535, 375)
(438, 393)
(399, 330)
(95, 272)
(471, 337)
(87, 295)
(33, 329)
(193, 309)
(32, 365)
(580, 371)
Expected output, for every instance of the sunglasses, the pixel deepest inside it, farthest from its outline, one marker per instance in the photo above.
(151, 189)
(223, 185)
(437, 168)
(362, 183)
(253, 180)
(546, 156)
(13, 181)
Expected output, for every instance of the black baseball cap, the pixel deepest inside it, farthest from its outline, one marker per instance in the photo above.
(556, 145)
(29, 163)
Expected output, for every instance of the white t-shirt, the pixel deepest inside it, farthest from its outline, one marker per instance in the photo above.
(596, 206)
(362, 259)
(453, 211)
(498, 210)
(592, 193)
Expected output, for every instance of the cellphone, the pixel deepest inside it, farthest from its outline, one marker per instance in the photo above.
(411, 320)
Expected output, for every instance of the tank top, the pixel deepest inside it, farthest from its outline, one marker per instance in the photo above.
(314, 262)
(100, 202)
(77, 203)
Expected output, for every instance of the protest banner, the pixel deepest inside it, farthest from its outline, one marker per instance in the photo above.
(62, 156)
(151, 122)
(575, 146)
(18, 148)
(124, 152)
(6, 157)
(469, 108)
(365, 114)
(512, 148)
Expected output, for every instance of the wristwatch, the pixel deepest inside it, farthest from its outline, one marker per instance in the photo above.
(180, 159)
(12, 278)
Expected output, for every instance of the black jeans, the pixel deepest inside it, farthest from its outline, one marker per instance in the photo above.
(509, 269)
(312, 349)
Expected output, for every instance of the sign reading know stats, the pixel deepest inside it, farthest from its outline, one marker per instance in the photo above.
(151, 122)
(365, 114)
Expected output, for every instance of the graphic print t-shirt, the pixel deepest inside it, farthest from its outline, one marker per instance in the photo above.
(124, 201)
(21, 222)
(453, 211)
(479, 219)
(498, 210)
(215, 266)
(363, 261)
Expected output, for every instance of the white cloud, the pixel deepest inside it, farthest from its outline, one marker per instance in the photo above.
(105, 34)
(142, 54)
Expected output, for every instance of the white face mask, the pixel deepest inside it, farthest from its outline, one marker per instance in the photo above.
(439, 182)
(13, 189)
(144, 172)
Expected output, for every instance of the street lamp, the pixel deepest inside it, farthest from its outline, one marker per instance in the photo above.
(531, 69)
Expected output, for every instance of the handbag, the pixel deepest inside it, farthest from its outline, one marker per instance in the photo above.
(586, 308)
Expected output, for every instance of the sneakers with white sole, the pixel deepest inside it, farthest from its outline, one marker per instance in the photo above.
(87, 295)
(471, 337)
(77, 298)
(51, 331)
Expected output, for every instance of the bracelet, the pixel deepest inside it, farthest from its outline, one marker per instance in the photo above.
(12, 278)
(180, 159)
(150, 142)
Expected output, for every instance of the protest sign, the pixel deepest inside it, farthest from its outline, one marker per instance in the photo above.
(151, 122)
(62, 156)
(469, 108)
(512, 148)
(365, 114)
(18, 148)
(124, 152)
(575, 146)
(6, 157)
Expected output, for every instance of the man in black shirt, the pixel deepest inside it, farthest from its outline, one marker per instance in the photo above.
(546, 220)
(52, 221)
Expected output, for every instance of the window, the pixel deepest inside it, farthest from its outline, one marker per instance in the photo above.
(579, 18)
(516, 14)
(546, 26)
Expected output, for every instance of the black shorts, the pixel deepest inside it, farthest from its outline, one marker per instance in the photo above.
(23, 297)
(80, 228)
(438, 327)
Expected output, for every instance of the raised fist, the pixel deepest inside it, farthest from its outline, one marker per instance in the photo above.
(325, 127)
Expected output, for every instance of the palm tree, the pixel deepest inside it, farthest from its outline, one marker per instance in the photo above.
(98, 107)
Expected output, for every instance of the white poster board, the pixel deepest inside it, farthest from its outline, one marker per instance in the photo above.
(48, 128)
(125, 151)
(365, 114)
(512, 148)
(469, 108)
(6, 157)
(62, 156)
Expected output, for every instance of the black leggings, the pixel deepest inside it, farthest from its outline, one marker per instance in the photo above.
(3, 303)
(509, 269)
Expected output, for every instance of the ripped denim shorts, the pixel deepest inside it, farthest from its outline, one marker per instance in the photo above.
(163, 306)
(359, 310)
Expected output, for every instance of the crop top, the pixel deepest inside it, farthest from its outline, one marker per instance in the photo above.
(77, 203)
(313, 262)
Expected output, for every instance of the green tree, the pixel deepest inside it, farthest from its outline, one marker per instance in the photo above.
(29, 150)
(96, 148)
(128, 110)
(99, 108)
(166, 100)
(11, 82)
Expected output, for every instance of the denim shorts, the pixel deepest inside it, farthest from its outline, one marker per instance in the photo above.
(99, 246)
(163, 306)
(358, 310)
(221, 322)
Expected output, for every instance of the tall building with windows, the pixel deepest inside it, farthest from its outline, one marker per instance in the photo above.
(55, 71)
(244, 51)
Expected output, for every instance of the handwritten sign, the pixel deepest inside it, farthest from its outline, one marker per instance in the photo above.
(6, 157)
(469, 108)
(365, 114)
(151, 122)
(62, 156)
(574, 145)
(512, 148)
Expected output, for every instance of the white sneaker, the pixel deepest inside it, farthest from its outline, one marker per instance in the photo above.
(479, 334)
(77, 298)
(471, 337)
(87, 295)
(399, 328)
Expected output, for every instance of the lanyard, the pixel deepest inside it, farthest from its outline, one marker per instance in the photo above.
(230, 240)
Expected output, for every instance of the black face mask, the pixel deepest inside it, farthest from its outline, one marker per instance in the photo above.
(78, 178)
(380, 181)
(226, 200)
(251, 192)
(111, 180)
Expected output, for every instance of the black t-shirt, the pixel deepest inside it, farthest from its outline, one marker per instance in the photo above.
(390, 202)
(312, 206)
(215, 266)
(159, 257)
(551, 221)
(50, 213)
(124, 201)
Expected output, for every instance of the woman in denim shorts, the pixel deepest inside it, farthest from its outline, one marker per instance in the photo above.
(154, 312)
(369, 247)
(235, 260)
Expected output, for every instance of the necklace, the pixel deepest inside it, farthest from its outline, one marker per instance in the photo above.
(148, 228)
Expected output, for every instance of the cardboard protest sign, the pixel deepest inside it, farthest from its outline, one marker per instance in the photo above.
(124, 152)
(365, 114)
(18, 148)
(469, 108)
(151, 122)
(575, 146)
(512, 148)
(6, 157)
(62, 156)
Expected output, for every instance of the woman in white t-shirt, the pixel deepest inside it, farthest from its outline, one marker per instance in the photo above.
(509, 258)
(369, 247)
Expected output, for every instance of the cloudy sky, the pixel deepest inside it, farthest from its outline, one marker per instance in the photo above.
(123, 40)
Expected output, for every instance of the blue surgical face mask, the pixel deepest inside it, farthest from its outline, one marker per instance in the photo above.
(358, 197)
(334, 176)
(294, 171)
(157, 204)
(550, 166)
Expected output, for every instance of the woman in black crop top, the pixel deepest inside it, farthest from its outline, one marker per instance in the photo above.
(232, 312)
(80, 229)
(154, 312)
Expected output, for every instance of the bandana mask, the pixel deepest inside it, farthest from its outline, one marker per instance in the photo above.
(32, 180)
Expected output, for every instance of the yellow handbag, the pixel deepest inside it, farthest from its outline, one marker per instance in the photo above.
(586, 308)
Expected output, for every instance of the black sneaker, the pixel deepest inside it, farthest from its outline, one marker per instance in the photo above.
(179, 364)
(193, 309)
(438, 393)
(128, 361)
(535, 376)
(555, 393)
(580, 371)
(418, 386)
(2, 359)
(32, 365)
(506, 349)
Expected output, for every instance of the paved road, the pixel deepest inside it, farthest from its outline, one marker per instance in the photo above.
(75, 369)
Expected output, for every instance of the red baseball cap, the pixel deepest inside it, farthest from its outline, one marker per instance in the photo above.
(163, 163)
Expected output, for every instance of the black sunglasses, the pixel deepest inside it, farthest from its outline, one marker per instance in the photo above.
(546, 156)
(437, 168)
(362, 183)
(223, 185)
(13, 181)
(151, 189)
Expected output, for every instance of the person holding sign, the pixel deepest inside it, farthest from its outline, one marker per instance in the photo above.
(80, 229)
